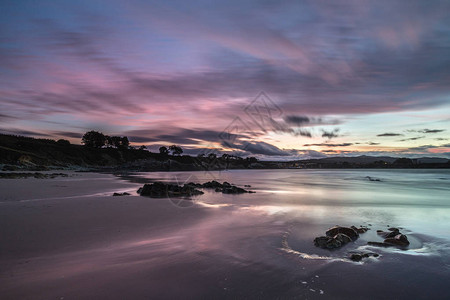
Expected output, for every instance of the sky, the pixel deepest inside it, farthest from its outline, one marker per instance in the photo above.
(271, 79)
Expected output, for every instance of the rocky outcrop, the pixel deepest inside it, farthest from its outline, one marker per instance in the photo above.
(338, 236)
(225, 188)
(327, 242)
(162, 190)
(392, 237)
(351, 232)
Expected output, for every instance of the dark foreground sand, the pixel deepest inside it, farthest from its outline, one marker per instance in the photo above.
(68, 238)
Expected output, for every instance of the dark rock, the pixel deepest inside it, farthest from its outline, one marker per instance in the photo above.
(350, 232)
(233, 190)
(225, 188)
(388, 234)
(121, 194)
(398, 240)
(360, 229)
(343, 238)
(196, 185)
(212, 185)
(139, 190)
(161, 190)
(321, 241)
(356, 257)
(327, 242)
(247, 185)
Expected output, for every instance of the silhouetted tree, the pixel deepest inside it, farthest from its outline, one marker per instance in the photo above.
(176, 150)
(63, 142)
(124, 142)
(94, 139)
(163, 151)
(252, 159)
(142, 147)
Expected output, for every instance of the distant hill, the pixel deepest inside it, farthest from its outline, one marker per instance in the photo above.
(373, 162)
(18, 152)
(26, 151)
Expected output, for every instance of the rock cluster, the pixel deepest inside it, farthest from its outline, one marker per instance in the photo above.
(162, 190)
(225, 188)
(338, 236)
(392, 237)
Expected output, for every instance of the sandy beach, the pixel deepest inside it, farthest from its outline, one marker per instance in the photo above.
(69, 238)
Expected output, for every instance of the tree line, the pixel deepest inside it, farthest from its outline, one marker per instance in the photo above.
(95, 139)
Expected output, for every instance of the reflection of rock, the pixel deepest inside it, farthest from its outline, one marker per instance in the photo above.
(161, 190)
(121, 194)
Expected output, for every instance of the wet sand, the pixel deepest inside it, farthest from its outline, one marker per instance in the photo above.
(68, 238)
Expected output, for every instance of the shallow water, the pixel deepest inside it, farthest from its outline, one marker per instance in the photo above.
(276, 226)
(217, 246)
(418, 200)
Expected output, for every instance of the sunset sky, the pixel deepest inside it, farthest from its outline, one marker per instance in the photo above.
(272, 79)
